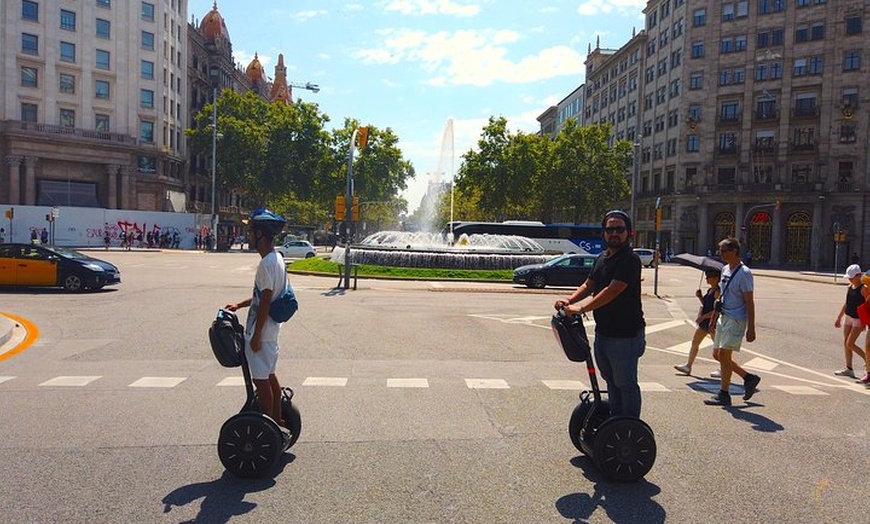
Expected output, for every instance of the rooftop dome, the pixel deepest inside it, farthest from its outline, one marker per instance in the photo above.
(255, 72)
(213, 26)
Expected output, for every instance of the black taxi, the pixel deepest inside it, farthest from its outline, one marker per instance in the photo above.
(54, 266)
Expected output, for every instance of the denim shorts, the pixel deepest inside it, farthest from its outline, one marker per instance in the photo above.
(729, 333)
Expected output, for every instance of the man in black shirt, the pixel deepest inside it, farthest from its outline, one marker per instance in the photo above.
(619, 325)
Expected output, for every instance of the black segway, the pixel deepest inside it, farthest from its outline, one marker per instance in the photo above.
(623, 448)
(250, 442)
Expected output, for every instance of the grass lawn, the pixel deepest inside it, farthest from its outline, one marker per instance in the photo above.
(321, 265)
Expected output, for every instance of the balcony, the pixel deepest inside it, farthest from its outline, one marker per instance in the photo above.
(765, 146)
(729, 150)
(805, 112)
(728, 119)
(803, 147)
(89, 135)
(766, 115)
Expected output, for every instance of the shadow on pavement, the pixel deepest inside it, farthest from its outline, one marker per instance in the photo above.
(759, 422)
(223, 498)
(622, 502)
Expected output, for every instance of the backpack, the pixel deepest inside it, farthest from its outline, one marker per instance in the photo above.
(227, 338)
(284, 307)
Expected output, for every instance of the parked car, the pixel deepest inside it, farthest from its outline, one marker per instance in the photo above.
(647, 256)
(296, 249)
(53, 266)
(565, 270)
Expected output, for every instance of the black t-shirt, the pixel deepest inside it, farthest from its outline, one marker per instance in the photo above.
(623, 316)
(853, 300)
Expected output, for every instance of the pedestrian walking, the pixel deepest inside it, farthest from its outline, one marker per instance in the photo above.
(863, 316)
(847, 318)
(616, 305)
(705, 313)
(733, 317)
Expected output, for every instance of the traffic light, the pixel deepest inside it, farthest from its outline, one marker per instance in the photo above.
(10, 213)
(339, 207)
(363, 136)
(355, 209)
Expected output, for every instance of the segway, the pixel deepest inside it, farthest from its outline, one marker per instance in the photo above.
(250, 442)
(622, 448)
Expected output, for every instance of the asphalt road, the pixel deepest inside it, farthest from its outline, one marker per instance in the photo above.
(421, 402)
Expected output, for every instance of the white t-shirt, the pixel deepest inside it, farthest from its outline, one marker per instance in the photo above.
(271, 274)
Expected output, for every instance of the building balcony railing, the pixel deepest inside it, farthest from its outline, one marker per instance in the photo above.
(765, 146)
(728, 150)
(729, 119)
(805, 112)
(845, 185)
(13, 126)
(803, 147)
(767, 115)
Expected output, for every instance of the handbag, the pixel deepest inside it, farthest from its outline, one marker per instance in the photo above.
(227, 337)
(285, 306)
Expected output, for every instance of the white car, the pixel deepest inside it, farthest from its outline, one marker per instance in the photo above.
(296, 249)
(647, 256)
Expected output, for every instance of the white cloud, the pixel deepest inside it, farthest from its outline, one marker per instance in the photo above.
(472, 57)
(597, 7)
(304, 16)
(431, 7)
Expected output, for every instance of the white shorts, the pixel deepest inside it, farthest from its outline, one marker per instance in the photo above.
(852, 322)
(729, 333)
(263, 362)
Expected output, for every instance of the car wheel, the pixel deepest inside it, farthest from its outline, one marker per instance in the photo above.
(73, 282)
(537, 281)
(309, 254)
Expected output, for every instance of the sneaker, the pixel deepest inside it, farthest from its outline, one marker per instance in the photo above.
(684, 369)
(845, 372)
(750, 386)
(865, 379)
(716, 374)
(723, 398)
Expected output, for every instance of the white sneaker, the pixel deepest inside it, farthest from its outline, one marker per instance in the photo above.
(845, 372)
(684, 369)
(716, 374)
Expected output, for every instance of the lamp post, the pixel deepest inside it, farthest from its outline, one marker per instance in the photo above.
(633, 182)
(214, 75)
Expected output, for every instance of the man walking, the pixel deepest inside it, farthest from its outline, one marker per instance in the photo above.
(733, 316)
(619, 325)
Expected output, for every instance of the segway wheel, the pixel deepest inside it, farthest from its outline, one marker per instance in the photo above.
(577, 428)
(249, 444)
(291, 415)
(624, 449)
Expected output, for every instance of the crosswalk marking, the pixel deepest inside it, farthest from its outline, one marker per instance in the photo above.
(5, 379)
(232, 381)
(325, 381)
(800, 390)
(573, 385)
(486, 383)
(652, 386)
(69, 381)
(157, 382)
(407, 383)
(663, 326)
(761, 363)
(684, 347)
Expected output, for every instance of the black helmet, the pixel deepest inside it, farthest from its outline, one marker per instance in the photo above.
(618, 213)
(266, 221)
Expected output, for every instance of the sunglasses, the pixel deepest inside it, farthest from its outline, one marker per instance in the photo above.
(618, 230)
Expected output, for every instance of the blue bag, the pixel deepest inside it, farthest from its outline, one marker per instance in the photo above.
(284, 307)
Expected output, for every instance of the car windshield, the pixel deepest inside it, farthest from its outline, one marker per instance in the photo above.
(67, 252)
(556, 261)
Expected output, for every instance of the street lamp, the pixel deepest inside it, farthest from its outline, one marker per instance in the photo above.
(214, 76)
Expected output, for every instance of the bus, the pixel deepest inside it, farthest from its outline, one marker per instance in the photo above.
(554, 238)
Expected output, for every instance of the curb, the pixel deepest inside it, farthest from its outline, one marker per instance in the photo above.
(6, 327)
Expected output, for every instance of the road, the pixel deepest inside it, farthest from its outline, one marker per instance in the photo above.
(421, 402)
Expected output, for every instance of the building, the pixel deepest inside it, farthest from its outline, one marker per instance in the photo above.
(92, 101)
(753, 122)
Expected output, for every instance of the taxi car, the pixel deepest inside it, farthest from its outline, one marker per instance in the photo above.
(54, 266)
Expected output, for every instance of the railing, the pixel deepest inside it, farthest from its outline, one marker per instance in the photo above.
(728, 150)
(805, 112)
(764, 147)
(729, 119)
(844, 186)
(10, 126)
(803, 147)
(761, 116)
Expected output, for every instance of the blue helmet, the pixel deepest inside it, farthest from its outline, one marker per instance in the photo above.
(266, 221)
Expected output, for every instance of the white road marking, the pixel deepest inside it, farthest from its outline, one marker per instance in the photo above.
(407, 383)
(684, 347)
(69, 381)
(573, 385)
(800, 390)
(652, 386)
(486, 383)
(325, 381)
(664, 326)
(157, 382)
(762, 364)
(232, 381)
(5, 379)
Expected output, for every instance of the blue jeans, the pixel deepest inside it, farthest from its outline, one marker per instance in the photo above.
(617, 362)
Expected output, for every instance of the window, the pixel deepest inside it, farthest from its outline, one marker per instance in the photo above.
(739, 75)
(775, 70)
(693, 143)
(777, 36)
(104, 3)
(67, 20)
(147, 41)
(67, 118)
(28, 112)
(727, 45)
(800, 66)
(650, 73)
(805, 105)
(146, 98)
(817, 31)
(729, 112)
(673, 118)
(699, 17)
(801, 33)
(148, 11)
(740, 43)
(770, 6)
(104, 28)
(102, 89)
(816, 65)
(760, 72)
(724, 77)
(853, 25)
(727, 142)
(697, 49)
(146, 131)
(765, 109)
(29, 44)
(147, 69)
(696, 81)
(30, 11)
(67, 83)
(852, 60)
(101, 123)
(727, 12)
(104, 59)
(762, 40)
(676, 58)
(67, 52)
(694, 113)
(847, 133)
(850, 97)
(29, 77)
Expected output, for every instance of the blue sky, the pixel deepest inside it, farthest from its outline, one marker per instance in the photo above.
(413, 64)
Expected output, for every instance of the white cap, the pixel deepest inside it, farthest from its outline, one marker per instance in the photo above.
(853, 271)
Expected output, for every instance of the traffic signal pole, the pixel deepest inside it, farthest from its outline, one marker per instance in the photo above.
(348, 198)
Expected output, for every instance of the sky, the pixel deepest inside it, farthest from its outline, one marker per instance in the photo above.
(411, 65)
